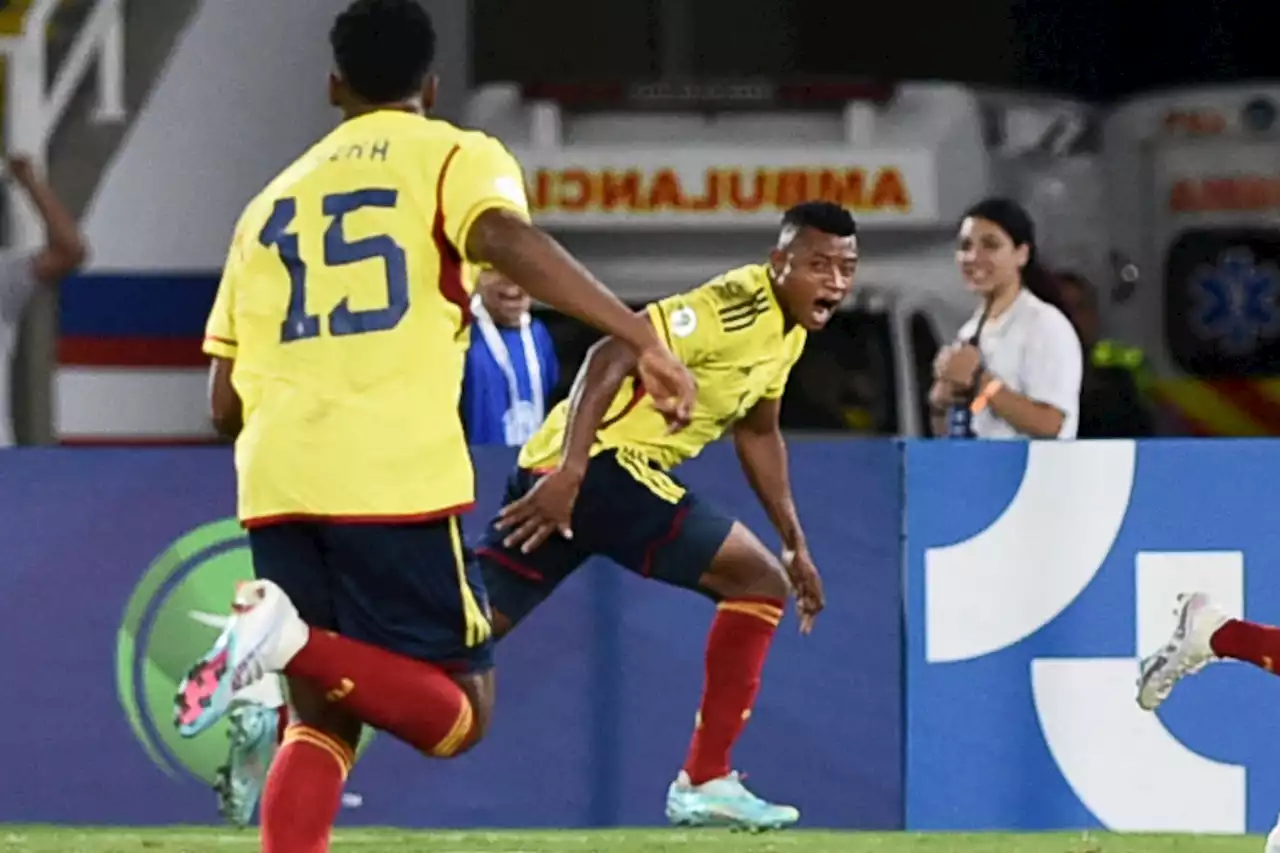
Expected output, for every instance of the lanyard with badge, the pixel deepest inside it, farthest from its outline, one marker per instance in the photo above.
(960, 418)
(523, 418)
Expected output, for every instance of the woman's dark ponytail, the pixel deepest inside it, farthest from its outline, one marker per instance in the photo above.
(1042, 283)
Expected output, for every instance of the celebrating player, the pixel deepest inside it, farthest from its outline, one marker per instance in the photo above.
(337, 364)
(595, 480)
(1204, 634)
(740, 334)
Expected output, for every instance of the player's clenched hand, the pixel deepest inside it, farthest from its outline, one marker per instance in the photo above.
(961, 366)
(669, 384)
(546, 509)
(807, 584)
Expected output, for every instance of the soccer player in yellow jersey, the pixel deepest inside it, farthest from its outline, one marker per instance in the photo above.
(338, 337)
(595, 480)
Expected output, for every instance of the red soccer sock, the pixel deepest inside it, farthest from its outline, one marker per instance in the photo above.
(413, 700)
(303, 793)
(737, 645)
(1249, 642)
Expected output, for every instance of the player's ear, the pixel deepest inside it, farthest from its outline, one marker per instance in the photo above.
(429, 92)
(778, 264)
(335, 89)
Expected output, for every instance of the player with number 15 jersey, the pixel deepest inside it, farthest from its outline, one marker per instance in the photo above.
(338, 337)
(346, 382)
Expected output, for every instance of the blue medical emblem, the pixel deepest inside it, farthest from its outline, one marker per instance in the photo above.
(1235, 302)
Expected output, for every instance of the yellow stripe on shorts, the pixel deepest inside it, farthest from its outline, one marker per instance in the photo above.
(476, 624)
(658, 482)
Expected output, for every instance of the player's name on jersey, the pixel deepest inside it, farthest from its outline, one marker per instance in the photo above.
(717, 190)
(372, 149)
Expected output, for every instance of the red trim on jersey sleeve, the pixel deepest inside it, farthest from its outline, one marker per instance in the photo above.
(451, 285)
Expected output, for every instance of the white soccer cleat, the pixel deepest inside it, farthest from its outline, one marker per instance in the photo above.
(262, 636)
(724, 802)
(1187, 652)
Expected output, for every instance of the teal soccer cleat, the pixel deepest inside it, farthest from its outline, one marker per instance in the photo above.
(724, 802)
(253, 736)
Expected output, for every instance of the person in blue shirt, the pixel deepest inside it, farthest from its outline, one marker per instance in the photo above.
(511, 366)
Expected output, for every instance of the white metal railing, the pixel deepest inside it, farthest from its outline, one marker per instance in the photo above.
(32, 111)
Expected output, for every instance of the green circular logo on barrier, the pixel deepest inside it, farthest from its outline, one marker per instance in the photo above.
(174, 614)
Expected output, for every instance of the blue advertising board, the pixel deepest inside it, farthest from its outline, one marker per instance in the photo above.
(1037, 575)
(114, 559)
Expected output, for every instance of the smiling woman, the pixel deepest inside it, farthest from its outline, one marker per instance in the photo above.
(1015, 371)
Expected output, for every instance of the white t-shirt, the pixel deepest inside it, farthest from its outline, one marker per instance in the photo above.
(17, 281)
(1033, 349)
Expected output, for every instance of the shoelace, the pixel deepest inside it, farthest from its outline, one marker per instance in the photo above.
(248, 672)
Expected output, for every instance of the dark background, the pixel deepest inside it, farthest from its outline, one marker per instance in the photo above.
(1100, 49)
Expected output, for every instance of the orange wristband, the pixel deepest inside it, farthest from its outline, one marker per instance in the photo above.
(980, 402)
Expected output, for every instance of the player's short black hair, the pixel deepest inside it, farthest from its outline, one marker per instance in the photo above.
(821, 216)
(384, 48)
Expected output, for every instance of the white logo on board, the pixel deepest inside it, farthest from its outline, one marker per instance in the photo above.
(1040, 555)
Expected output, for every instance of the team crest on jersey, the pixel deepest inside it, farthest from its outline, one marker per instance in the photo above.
(683, 321)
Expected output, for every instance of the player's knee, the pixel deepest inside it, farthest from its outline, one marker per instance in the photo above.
(745, 568)
(474, 716)
(768, 581)
(476, 727)
(501, 623)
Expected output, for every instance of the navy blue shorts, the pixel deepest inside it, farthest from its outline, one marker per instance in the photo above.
(628, 510)
(408, 588)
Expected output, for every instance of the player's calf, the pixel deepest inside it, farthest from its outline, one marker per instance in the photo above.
(752, 589)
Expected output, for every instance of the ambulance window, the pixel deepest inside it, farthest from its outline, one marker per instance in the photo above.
(924, 349)
(1222, 302)
(844, 382)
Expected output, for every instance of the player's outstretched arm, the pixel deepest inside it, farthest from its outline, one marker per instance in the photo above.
(548, 507)
(757, 438)
(531, 258)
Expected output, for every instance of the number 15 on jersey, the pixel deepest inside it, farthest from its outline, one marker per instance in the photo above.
(338, 251)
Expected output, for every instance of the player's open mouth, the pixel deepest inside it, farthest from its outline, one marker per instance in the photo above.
(823, 308)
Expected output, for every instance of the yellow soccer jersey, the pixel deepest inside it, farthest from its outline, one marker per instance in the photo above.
(731, 334)
(344, 304)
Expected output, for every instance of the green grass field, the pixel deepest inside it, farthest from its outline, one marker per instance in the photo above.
(42, 839)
